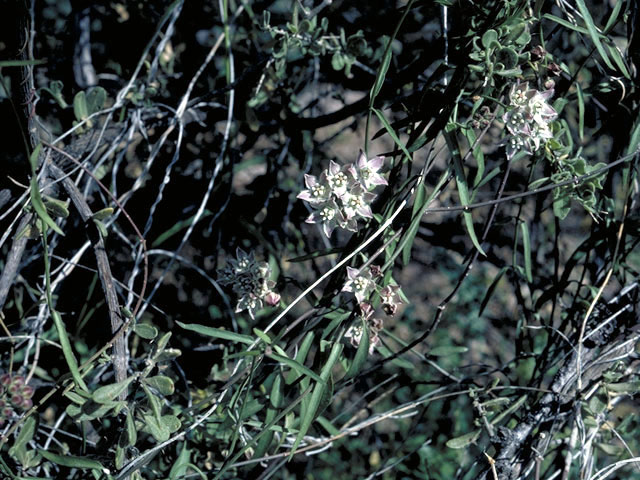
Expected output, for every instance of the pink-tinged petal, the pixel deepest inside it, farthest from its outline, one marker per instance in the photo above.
(334, 168)
(365, 211)
(362, 160)
(310, 180)
(352, 273)
(312, 218)
(305, 195)
(351, 224)
(547, 94)
(352, 170)
(378, 180)
(272, 298)
(328, 229)
(376, 163)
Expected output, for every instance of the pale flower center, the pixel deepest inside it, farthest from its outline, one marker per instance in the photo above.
(354, 202)
(339, 180)
(327, 214)
(360, 283)
(318, 190)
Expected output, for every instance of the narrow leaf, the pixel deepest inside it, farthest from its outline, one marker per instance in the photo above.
(392, 132)
(463, 191)
(71, 461)
(593, 32)
(316, 396)
(301, 369)
(580, 111)
(526, 243)
(445, 351)
(464, 440)
(382, 73)
(217, 333)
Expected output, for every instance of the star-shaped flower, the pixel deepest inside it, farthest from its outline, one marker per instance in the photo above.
(360, 284)
(318, 190)
(366, 171)
(337, 179)
(357, 202)
(329, 215)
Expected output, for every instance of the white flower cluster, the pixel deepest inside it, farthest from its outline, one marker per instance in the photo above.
(363, 283)
(250, 281)
(342, 194)
(374, 325)
(528, 119)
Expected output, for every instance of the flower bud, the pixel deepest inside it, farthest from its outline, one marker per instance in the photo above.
(537, 53)
(5, 379)
(17, 399)
(27, 391)
(554, 69)
(27, 403)
(272, 298)
(18, 380)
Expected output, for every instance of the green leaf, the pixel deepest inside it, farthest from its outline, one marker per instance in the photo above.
(18, 450)
(619, 61)
(382, 73)
(95, 99)
(593, 32)
(301, 369)
(132, 431)
(71, 461)
(146, 331)
(217, 333)
(316, 396)
(361, 354)
(33, 159)
(263, 336)
(36, 201)
(70, 358)
(101, 228)
(102, 214)
(80, 109)
(491, 289)
(392, 132)
(56, 207)
(21, 63)
(566, 24)
(162, 384)
(301, 356)
(277, 392)
(445, 351)
(580, 111)
(464, 440)
(416, 218)
(490, 39)
(172, 423)
(109, 393)
(337, 61)
(156, 427)
(463, 191)
(526, 244)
